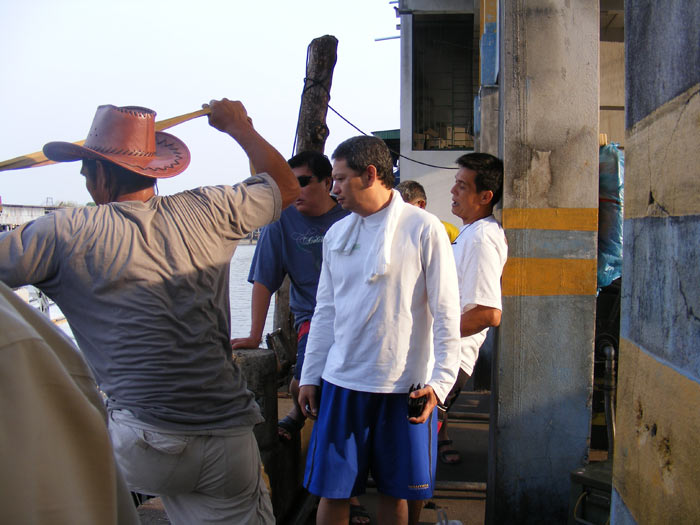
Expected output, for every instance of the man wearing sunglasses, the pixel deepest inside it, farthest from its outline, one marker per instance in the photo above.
(292, 246)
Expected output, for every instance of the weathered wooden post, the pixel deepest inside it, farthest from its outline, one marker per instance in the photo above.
(311, 135)
(312, 131)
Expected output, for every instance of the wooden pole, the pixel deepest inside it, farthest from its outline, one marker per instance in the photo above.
(312, 131)
(311, 134)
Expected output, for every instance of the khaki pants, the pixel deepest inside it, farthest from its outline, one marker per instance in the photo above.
(200, 478)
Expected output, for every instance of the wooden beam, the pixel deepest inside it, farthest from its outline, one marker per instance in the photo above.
(311, 135)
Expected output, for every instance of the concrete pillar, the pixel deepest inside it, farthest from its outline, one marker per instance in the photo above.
(283, 460)
(656, 471)
(487, 141)
(259, 367)
(543, 371)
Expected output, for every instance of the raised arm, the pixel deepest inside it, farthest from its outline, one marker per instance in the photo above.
(231, 117)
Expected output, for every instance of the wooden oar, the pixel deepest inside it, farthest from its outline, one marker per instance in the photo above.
(34, 160)
(170, 122)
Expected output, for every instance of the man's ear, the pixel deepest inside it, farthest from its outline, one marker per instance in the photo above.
(109, 181)
(100, 175)
(371, 174)
(485, 197)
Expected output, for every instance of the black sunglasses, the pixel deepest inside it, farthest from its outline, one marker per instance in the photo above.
(304, 180)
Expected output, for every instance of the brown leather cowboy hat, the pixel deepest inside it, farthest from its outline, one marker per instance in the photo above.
(126, 136)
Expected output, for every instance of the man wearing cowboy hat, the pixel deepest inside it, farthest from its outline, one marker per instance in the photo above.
(143, 282)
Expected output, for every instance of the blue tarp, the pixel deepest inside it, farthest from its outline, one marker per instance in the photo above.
(489, 55)
(611, 164)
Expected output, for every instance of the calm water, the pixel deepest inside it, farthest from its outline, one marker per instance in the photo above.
(240, 290)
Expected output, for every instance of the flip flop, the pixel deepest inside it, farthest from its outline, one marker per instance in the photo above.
(288, 426)
(359, 511)
(448, 456)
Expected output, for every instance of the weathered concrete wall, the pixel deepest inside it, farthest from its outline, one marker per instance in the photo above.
(544, 364)
(280, 460)
(662, 43)
(487, 142)
(656, 471)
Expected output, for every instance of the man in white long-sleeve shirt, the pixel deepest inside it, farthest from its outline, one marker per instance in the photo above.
(386, 318)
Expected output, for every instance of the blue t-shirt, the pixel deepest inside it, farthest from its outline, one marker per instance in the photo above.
(293, 246)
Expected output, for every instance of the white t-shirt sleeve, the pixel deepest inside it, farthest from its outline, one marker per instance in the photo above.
(481, 276)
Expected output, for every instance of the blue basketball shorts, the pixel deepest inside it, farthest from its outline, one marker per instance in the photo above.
(361, 432)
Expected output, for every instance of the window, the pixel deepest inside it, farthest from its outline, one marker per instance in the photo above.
(443, 81)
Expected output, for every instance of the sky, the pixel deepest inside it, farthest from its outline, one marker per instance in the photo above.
(62, 59)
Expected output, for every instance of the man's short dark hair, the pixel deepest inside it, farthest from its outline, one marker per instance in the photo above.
(489, 172)
(363, 151)
(411, 191)
(317, 163)
(127, 181)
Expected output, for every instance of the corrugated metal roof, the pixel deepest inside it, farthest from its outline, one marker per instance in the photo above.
(389, 134)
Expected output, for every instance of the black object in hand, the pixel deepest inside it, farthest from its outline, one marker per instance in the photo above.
(416, 404)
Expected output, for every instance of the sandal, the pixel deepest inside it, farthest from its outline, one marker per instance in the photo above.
(359, 515)
(288, 426)
(448, 456)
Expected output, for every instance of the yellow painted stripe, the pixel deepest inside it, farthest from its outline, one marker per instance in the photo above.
(530, 276)
(581, 219)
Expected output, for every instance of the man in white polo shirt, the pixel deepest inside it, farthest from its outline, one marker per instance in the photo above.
(480, 252)
(387, 273)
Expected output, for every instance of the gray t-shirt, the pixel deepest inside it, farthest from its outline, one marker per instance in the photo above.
(144, 286)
